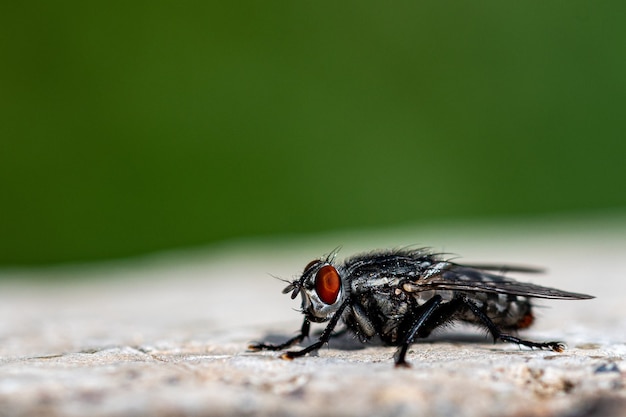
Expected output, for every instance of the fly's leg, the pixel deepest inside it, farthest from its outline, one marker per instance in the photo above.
(340, 332)
(324, 337)
(498, 335)
(427, 310)
(304, 332)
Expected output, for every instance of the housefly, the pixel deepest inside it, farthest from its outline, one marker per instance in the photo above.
(402, 295)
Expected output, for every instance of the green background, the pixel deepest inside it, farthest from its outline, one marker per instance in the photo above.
(130, 127)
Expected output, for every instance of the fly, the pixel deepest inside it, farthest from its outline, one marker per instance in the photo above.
(402, 295)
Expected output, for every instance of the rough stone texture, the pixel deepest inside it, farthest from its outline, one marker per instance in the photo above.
(167, 336)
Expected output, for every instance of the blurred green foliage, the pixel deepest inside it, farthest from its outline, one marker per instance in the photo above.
(128, 127)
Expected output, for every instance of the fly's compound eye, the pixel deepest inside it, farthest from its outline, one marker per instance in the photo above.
(327, 284)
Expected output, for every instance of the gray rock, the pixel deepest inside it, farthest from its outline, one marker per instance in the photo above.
(167, 337)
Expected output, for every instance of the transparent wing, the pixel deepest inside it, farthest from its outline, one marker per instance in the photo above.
(469, 279)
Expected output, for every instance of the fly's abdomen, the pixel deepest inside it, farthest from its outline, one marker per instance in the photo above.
(507, 311)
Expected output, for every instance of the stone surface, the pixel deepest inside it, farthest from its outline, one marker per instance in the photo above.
(167, 336)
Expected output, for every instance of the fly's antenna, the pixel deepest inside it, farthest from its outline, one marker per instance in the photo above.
(293, 288)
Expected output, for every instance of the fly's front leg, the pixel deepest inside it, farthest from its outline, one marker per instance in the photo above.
(427, 310)
(498, 335)
(324, 337)
(304, 332)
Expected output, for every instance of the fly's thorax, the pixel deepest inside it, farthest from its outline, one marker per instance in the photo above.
(323, 289)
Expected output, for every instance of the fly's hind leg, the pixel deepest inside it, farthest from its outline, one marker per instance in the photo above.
(498, 335)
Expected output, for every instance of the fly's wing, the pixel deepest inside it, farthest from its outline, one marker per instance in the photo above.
(462, 278)
(503, 269)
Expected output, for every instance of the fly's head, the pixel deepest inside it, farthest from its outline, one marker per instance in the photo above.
(322, 289)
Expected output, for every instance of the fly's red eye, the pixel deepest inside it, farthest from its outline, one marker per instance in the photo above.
(327, 284)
